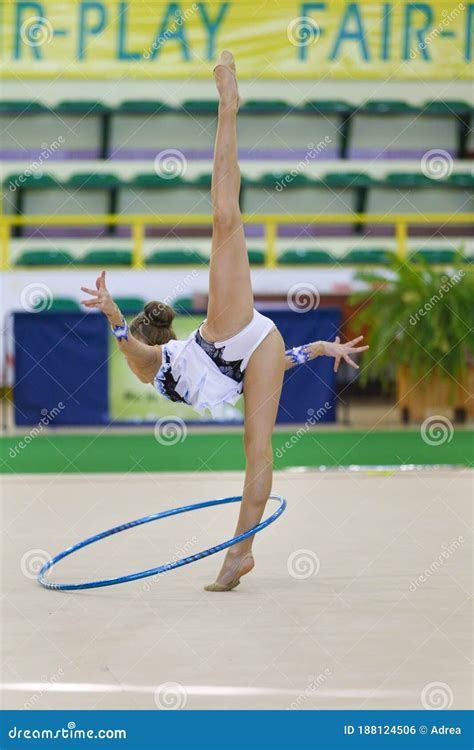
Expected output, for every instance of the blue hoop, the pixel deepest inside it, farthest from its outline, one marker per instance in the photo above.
(161, 568)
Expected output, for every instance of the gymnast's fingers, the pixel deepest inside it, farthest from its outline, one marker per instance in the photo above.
(350, 362)
(358, 349)
(90, 303)
(89, 291)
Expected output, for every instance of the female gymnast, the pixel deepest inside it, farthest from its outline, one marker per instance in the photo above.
(236, 349)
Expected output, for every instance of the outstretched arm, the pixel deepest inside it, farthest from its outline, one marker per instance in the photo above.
(301, 354)
(143, 360)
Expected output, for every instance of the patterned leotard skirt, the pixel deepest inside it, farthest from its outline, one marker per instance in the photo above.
(207, 375)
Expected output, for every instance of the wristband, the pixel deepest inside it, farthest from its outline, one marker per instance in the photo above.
(121, 332)
(298, 355)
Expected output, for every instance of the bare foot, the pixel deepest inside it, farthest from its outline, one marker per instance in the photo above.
(232, 571)
(226, 81)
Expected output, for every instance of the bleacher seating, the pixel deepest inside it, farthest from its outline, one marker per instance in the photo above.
(305, 257)
(107, 257)
(130, 305)
(81, 126)
(413, 192)
(364, 256)
(394, 129)
(179, 256)
(59, 304)
(271, 132)
(148, 193)
(137, 129)
(435, 255)
(45, 257)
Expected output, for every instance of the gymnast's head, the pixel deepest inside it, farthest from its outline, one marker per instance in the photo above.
(153, 326)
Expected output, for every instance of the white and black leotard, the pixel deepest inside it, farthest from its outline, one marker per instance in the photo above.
(206, 375)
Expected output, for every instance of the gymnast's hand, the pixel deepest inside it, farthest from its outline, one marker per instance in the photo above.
(102, 298)
(342, 351)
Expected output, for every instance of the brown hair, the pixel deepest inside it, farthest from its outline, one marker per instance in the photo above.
(153, 325)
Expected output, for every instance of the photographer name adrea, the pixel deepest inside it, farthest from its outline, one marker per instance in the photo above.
(445, 730)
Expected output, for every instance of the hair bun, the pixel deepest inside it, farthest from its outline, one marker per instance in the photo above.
(159, 314)
(153, 326)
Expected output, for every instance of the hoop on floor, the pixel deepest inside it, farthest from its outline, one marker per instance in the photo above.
(161, 568)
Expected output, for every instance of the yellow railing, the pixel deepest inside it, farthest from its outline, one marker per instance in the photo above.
(271, 222)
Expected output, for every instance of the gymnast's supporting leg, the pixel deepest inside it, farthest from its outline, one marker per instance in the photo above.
(262, 388)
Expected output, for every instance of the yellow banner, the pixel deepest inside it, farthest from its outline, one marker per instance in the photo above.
(274, 39)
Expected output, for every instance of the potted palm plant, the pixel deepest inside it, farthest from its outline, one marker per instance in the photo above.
(419, 321)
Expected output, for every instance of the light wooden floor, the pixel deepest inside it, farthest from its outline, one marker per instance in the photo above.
(335, 614)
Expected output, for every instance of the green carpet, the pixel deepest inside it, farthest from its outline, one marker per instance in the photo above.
(223, 451)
